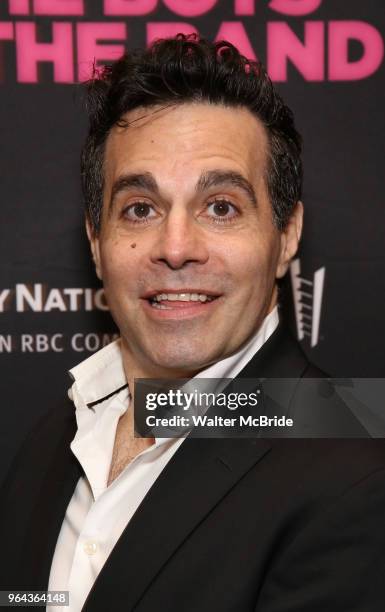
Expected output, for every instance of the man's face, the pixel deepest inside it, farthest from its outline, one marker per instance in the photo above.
(187, 251)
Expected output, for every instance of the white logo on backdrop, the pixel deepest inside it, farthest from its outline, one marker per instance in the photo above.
(307, 296)
(39, 297)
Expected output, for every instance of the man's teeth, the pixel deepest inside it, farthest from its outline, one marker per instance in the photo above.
(182, 297)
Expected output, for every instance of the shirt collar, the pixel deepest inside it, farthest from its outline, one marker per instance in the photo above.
(102, 374)
(98, 376)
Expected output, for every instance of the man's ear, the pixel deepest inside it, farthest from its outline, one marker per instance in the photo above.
(290, 237)
(94, 244)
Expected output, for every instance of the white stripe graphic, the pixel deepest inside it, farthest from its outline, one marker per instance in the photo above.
(307, 303)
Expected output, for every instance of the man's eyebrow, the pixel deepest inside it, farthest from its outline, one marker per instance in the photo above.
(211, 178)
(216, 178)
(144, 180)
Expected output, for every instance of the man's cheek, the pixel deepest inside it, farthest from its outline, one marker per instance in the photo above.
(118, 266)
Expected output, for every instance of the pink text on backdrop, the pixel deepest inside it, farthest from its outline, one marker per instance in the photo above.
(320, 53)
(309, 56)
(46, 7)
(182, 8)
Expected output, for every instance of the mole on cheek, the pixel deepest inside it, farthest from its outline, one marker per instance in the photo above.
(133, 245)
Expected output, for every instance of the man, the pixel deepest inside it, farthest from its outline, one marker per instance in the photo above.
(192, 180)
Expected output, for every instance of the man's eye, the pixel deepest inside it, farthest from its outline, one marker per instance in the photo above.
(139, 212)
(222, 211)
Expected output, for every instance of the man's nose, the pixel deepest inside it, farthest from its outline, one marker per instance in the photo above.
(180, 241)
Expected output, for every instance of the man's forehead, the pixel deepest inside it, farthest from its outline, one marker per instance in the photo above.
(188, 133)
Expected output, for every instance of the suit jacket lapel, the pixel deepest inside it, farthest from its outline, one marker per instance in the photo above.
(280, 357)
(198, 476)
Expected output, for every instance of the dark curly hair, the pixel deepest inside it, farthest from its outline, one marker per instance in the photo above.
(189, 69)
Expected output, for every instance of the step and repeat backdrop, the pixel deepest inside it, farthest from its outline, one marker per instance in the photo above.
(326, 58)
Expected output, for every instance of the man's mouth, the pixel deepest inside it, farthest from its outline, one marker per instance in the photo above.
(171, 300)
(166, 301)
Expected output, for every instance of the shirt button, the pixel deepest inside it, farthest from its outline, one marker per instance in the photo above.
(90, 547)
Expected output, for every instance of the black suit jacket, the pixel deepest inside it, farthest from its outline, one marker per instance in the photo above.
(230, 525)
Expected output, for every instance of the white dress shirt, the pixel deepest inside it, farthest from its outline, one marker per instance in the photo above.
(97, 514)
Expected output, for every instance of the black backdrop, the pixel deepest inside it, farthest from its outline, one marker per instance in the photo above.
(48, 320)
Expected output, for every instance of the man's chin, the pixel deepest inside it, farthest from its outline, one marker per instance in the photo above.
(172, 357)
(184, 363)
